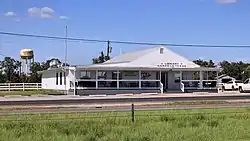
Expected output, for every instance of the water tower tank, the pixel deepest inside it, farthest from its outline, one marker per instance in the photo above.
(27, 54)
(27, 57)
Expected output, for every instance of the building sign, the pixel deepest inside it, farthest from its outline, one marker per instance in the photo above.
(172, 65)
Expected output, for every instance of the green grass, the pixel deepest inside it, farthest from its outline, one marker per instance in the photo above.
(168, 125)
(29, 92)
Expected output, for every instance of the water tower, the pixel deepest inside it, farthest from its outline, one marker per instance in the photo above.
(27, 58)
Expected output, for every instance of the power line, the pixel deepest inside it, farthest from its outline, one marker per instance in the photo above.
(123, 42)
(51, 37)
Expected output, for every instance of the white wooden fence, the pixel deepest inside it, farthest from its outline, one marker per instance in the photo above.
(20, 86)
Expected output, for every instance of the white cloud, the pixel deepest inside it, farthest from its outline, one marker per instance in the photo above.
(10, 14)
(226, 1)
(34, 11)
(44, 12)
(47, 12)
(63, 17)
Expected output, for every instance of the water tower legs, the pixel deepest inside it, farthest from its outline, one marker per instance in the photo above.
(27, 66)
(21, 67)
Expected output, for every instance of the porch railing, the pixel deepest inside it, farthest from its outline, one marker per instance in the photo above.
(182, 87)
(195, 84)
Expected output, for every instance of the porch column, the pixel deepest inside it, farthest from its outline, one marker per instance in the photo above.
(201, 78)
(160, 76)
(180, 76)
(139, 79)
(161, 85)
(75, 80)
(117, 79)
(96, 79)
(207, 75)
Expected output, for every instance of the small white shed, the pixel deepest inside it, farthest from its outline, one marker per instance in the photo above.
(224, 78)
(58, 78)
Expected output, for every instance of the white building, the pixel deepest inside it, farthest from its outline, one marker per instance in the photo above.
(135, 72)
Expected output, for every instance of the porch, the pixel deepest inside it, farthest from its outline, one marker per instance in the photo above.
(144, 81)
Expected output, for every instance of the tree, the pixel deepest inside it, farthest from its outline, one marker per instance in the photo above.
(100, 59)
(10, 67)
(203, 63)
(35, 67)
(103, 58)
(246, 73)
(238, 70)
(34, 76)
(45, 65)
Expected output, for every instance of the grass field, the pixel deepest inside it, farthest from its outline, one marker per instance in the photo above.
(29, 92)
(170, 125)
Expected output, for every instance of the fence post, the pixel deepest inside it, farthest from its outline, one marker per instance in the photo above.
(9, 86)
(37, 87)
(133, 112)
(23, 87)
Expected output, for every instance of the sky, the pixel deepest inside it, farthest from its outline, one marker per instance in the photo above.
(212, 22)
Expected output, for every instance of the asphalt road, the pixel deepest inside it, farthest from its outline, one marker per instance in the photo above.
(122, 108)
(123, 100)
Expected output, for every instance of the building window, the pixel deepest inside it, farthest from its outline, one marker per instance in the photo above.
(102, 75)
(196, 75)
(60, 78)
(129, 75)
(107, 75)
(56, 78)
(150, 75)
(71, 84)
(87, 75)
(187, 75)
(64, 78)
(177, 77)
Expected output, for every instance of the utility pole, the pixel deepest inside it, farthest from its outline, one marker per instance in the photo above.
(66, 45)
(108, 48)
(65, 59)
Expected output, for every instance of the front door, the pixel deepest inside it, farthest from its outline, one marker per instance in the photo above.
(164, 80)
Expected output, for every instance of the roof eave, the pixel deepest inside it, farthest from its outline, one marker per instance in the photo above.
(49, 70)
(148, 68)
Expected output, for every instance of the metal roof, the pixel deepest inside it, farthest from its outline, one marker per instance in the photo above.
(156, 57)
